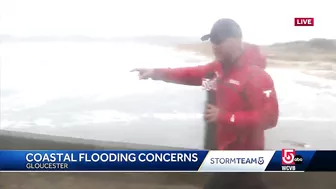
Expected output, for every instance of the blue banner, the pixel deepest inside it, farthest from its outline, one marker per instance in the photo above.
(181, 160)
(124, 160)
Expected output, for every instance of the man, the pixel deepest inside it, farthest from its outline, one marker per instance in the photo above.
(246, 101)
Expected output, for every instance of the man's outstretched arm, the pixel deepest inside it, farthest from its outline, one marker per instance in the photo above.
(185, 76)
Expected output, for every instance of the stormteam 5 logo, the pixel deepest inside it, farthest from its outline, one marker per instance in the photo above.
(290, 159)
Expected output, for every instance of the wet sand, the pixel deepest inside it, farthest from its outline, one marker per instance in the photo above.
(16, 140)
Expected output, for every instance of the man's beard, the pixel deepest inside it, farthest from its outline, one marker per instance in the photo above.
(229, 60)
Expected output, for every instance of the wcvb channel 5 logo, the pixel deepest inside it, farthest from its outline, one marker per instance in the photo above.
(290, 159)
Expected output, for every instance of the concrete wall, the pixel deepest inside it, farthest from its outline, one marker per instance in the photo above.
(17, 140)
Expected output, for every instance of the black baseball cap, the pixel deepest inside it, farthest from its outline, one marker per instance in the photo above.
(222, 29)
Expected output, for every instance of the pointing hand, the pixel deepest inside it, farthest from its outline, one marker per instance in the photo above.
(144, 73)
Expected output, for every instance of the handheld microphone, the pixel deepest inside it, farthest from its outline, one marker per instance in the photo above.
(210, 128)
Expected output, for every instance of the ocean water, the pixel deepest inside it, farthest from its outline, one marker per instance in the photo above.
(86, 90)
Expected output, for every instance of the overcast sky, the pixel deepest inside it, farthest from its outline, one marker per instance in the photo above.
(263, 21)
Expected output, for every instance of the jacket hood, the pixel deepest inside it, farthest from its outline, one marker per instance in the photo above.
(255, 55)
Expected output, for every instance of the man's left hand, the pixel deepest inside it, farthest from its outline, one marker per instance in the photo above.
(211, 113)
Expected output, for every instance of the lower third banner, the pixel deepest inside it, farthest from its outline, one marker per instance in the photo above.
(176, 161)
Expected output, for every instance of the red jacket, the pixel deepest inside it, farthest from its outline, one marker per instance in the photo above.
(242, 118)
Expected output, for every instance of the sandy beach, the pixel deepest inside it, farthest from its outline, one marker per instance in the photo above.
(314, 57)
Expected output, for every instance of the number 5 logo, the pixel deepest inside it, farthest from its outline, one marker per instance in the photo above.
(288, 157)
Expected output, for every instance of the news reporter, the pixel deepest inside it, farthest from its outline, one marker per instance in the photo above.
(246, 100)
